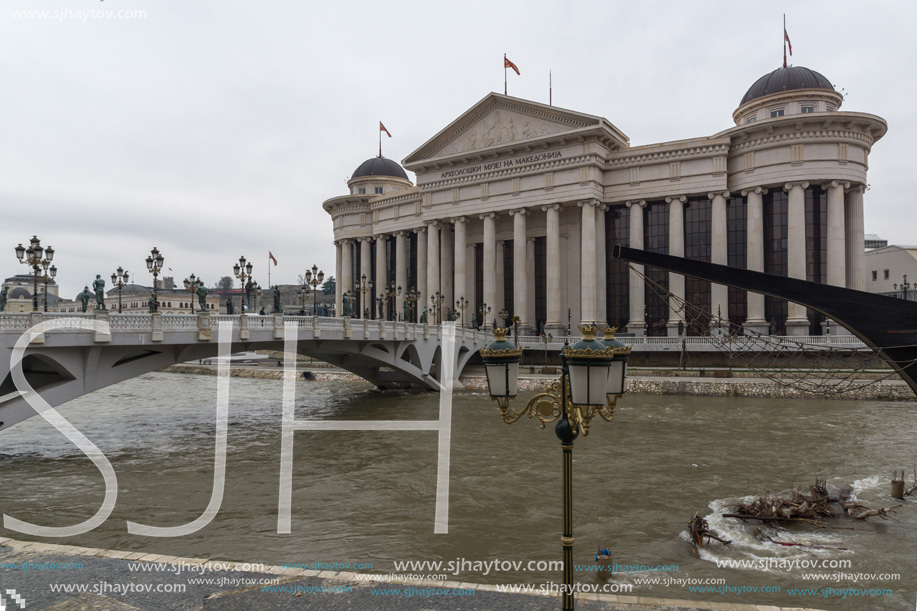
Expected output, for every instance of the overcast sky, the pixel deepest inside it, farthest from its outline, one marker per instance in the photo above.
(216, 128)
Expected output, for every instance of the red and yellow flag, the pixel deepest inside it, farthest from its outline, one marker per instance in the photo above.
(786, 37)
(509, 64)
(271, 256)
(382, 129)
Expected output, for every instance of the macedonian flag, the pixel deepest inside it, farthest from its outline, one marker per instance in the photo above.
(509, 64)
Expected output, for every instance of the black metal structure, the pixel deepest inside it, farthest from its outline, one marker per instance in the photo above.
(886, 324)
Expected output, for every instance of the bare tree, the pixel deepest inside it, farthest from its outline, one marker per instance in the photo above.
(225, 283)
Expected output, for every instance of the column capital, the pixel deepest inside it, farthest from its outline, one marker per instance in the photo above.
(802, 184)
(367, 239)
(459, 219)
(636, 202)
(489, 215)
(432, 224)
(399, 233)
(587, 202)
(346, 241)
(530, 240)
(420, 229)
(756, 190)
(603, 207)
(550, 207)
(856, 187)
(713, 194)
(836, 183)
(501, 242)
(674, 198)
(519, 211)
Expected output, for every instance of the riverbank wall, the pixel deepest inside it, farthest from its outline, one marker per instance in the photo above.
(869, 387)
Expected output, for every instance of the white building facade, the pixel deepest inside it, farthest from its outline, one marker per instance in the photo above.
(518, 205)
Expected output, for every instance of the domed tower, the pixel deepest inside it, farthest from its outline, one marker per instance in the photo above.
(787, 91)
(377, 176)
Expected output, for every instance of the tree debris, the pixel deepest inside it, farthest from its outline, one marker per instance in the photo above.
(700, 531)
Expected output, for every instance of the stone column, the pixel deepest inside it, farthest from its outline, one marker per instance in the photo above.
(458, 280)
(754, 258)
(366, 263)
(719, 293)
(401, 270)
(587, 262)
(499, 280)
(338, 268)
(856, 240)
(446, 269)
(676, 249)
(422, 297)
(520, 264)
(432, 267)
(346, 280)
(797, 323)
(837, 263)
(637, 322)
(381, 278)
(555, 323)
(601, 290)
(529, 315)
(490, 257)
(470, 282)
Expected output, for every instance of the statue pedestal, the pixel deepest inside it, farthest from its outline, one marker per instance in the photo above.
(34, 320)
(204, 333)
(156, 326)
(243, 327)
(102, 337)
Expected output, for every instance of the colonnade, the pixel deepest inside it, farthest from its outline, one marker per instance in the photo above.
(446, 259)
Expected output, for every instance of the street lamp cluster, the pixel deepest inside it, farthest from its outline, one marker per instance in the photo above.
(120, 279)
(39, 259)
(154, 265)
(191, 285)
(591, 382)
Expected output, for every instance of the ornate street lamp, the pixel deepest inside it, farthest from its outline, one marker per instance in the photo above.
(363, 286)
(32, 256)
(154, 264)
(546, 339)
(256, 295)
(502, 315)
(484, 311)
(412, 297)
(243, 271)
(48, 274)
(461, 304)
(905, 287)
(436, 301)
(120, 279)
(314, 278)
(390, 294)
(191, 285)
(582, 393)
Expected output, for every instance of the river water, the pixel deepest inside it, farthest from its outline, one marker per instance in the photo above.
(369, 497)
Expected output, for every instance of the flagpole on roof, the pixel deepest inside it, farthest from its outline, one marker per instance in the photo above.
(380, 138)
(550, 90)
(268, 269)
(784, 40)
(504, 74)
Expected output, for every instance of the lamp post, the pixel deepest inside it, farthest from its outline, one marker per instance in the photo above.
(153, 265)
(314, 278)
(436, 301)
(47, 277)
(256, 295)
(32, 256)
(120, 279)
(243, 271)
(191, 285)
(484, 310)
(461, 304)
(546, 338)
(390, 294)
(502, 315)
(905, 287)
(585, 389)
(363, 285)
(412, 297)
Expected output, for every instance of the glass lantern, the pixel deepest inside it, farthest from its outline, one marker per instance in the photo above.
(588, 362)
(501, 362)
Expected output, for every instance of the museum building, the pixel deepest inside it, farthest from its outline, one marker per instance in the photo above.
(518, 204)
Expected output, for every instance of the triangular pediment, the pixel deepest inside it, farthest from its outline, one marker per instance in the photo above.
(498, 121)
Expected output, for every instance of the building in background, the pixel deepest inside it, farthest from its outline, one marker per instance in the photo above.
(518, 204)
(892, 271)
(874, 241)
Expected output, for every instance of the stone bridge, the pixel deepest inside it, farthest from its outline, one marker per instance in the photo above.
(65, 356)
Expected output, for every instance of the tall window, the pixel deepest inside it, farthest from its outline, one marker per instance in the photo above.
(656, 239)
(617, 275)
(775, 254)
(541, 282)
(508, 279)
(816, 247)
(737, 254)
(697, 248)
(478, 282)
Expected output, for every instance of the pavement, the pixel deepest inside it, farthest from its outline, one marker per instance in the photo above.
(102, 580)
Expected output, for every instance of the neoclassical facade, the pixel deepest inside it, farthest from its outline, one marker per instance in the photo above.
(518, 204)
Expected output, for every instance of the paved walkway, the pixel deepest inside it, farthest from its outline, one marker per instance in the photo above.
(31, 569)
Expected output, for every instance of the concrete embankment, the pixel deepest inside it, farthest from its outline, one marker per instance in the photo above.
(868, 387)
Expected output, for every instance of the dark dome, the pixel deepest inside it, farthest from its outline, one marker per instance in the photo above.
(379, 166)
(786, 79)
(19, 293)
